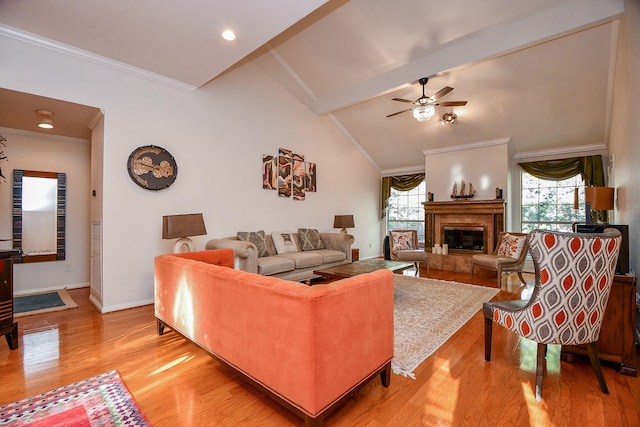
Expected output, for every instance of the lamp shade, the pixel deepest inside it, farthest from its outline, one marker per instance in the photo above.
(343, 221)
(600, 198)
(176, 226)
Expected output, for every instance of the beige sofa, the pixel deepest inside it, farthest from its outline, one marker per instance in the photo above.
(297, 266)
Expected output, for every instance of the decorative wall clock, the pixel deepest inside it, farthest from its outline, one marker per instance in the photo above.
(152, 167)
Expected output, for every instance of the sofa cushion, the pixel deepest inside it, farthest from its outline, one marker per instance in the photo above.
(305, 259)
(284, 241)
(275, 264)
(310, 239)
(258, 238)
(329, 255)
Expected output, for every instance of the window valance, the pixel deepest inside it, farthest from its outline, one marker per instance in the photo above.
(589, 167)
(400, 183)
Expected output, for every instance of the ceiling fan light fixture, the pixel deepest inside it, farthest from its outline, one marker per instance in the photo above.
(423, 113)
(449, 118)
(45, 122)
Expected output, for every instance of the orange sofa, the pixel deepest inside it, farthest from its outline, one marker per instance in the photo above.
(309, 347)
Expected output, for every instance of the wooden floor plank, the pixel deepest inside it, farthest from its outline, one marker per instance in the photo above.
(177, 384)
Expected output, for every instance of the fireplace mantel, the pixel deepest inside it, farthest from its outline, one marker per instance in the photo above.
(489, 213)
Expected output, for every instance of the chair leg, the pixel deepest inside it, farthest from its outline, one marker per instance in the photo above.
(595, 364)
(499, 279)
(488, 330)
(417, 268)
(540, 365)
(472, 266)
(524, 282)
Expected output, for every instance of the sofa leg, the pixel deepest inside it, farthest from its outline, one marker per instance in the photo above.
(385, 375)
(313, 422)
(160, 327)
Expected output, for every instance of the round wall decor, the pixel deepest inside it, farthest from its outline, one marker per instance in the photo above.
(152, 167)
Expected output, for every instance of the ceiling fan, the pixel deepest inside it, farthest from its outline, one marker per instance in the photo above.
(425, 105)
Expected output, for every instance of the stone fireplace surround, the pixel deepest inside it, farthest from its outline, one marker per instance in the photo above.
(478, 215)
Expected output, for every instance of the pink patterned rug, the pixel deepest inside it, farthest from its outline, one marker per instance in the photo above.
(102, 400)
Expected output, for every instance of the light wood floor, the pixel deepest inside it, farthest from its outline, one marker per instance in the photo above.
(177, 384)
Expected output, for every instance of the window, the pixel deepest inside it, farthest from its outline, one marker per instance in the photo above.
(550, 204)
(406, 211)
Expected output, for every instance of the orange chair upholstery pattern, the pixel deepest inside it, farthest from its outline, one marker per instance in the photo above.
(574, 274)
(309, 346)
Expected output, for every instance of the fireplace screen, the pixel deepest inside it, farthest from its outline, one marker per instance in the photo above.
(464, 238)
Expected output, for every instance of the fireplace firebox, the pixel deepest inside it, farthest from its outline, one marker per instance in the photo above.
(464, 237)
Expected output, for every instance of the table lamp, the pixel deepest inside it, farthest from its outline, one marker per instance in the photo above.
(182, 227)
(597, 199)
(343, 222)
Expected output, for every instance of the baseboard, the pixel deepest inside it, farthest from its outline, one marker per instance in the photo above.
(49, 288)
(109, 309)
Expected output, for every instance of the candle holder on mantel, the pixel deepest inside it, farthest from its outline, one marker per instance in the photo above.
(464, 193)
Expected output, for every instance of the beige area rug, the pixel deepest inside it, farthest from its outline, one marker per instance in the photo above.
(427, 313)
(42, 302)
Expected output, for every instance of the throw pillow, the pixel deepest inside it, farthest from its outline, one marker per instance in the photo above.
(402, 240)
(258, 238)
(310, 239)
(511, 245)
(284, 242)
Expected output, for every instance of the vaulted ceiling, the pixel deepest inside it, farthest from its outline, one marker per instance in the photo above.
(537, 71)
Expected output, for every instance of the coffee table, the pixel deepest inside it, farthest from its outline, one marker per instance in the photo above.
(360, 267)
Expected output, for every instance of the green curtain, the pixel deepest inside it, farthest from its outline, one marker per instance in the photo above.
(589, 167)
(400, 183)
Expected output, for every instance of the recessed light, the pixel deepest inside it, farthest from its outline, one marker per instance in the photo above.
(45, 121)
(228, 35)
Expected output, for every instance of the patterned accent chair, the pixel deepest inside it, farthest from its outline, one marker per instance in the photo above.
(403, 246)
(508, 256)
(574, 274)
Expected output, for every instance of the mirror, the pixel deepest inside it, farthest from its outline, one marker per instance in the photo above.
(39, 205)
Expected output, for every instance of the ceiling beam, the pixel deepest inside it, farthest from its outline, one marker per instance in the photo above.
(547, 24)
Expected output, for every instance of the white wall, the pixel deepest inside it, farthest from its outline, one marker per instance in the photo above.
(218, 135)
(625, 129)
(39, 152)
(483, 164)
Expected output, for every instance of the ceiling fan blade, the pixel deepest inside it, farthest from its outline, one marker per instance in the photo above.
(400, 112)
(452, 104)
(402, 100)
(442, 92)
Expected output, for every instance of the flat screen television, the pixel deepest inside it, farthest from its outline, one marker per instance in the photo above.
(622, 267)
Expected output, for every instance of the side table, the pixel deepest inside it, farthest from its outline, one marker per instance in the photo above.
(355, 254)
(617, 342)
(8, 327)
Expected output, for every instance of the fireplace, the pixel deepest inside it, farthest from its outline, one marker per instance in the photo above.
(464, 238)
(468, 226)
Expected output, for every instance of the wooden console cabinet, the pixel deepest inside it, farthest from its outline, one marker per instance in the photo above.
(617, 341)
(8, 327)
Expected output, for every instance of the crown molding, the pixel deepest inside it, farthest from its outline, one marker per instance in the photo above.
(563, 152)
(409, 170)
(74, 52)
(463, 147)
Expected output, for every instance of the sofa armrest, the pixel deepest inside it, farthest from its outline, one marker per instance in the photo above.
(245, 253)
(338, 242)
